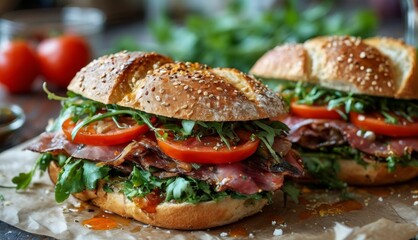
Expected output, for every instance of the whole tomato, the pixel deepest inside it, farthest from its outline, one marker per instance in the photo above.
(18, 66)
(62, 57)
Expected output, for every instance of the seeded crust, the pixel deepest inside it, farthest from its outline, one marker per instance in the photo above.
(375, 66)
(184, 216)
(374, 174)
(155, 84)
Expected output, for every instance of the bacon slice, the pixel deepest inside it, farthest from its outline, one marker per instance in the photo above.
(316, 133)
(245, 177)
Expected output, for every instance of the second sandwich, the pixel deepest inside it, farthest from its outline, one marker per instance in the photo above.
(353, 106)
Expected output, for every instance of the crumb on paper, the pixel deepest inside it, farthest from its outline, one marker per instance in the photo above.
(278, 232)
(223, 234)
(380, 199)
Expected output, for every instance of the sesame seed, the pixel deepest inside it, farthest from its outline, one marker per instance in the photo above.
(219, 89)
(362, 55)
(158, 98)
(369, 70)
(205, 93)
(186, 87)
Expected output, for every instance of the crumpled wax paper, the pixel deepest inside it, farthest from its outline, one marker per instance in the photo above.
(371, 213)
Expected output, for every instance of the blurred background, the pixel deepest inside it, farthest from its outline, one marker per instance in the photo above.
(225, 33)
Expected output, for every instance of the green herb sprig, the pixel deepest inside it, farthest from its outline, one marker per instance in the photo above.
(344, 103)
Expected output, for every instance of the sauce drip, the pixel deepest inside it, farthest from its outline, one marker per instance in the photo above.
(150, 202)
(100, 223)
(238, 232)
(105, 221)
(332, 209)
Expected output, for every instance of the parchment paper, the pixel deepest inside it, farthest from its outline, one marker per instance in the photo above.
(387, 213)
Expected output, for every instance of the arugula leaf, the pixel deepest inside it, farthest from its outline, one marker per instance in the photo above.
(77, 176)
(23, 180)
(188, 126)
(291, 190)
(92, 173)
(69, 181)
(177, 189)
(2, 199)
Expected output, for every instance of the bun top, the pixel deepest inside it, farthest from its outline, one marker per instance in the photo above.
(375, 66)
(155, 84)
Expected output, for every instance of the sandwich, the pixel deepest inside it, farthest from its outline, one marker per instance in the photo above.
(177, 145)
(353, 107)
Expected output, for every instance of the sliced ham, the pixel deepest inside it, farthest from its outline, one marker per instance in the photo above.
(316, 133)
(246, 177)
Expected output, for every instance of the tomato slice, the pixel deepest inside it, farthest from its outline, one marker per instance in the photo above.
(105, 131)
(209, 149)
(312, 111)
(376, 123)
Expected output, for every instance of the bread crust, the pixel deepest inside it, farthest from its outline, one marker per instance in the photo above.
(374, 174)
(184, 216)
(155, 84)
(371, 66)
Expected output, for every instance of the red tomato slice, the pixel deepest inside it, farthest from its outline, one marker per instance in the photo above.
(312, 111)
(105, 131)
(207, 150)
(376, 123)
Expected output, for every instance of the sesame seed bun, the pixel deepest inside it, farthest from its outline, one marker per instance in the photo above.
(374, 174)
(375, 66)
(155, 84)
(184, 216)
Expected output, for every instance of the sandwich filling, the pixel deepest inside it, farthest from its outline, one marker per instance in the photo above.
(162, 159)
(327, 125)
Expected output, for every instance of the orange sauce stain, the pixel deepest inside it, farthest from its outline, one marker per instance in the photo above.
(238, 232)
(332, 209)
(105, 221)
(100, 223)
(149, 203)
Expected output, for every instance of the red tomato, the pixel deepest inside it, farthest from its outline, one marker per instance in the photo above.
(207, 150)
(376, 123)
(312, 111)
(62, 57)
(18, 66)
(109, 134)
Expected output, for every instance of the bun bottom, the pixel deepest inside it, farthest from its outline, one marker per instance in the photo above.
(183, 216)
(374, 174)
